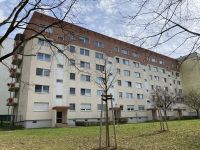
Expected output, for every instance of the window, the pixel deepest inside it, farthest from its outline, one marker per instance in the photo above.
(116, 49)
(130, 107)
(98, 44)
(72, 107)
(72, 49)
(46, 28)
(99, 80)
(101, 107)
(165, 80)
(177, 74)
(125, 62)
(152, 87)
(153, 60)
(119, 82)
(72, 76)
(100, 67)
(84, 52)
(180, 91)
(117, 60)
(156, 78)
(155, 69)
(129, 95)
(41, 106)
(140, 96)
(41, 89)
(118, 71)
(43, 57)
(86, 107)
(72, 91)
(136, 64)
(166, 88)
(42, 72)
(84, 39)
(135, 54)
(99, 55)
(138, 85)
(137, 75)
(127, 73)
(71, 36)
(61, 38)
(59, 81)
(59, 66)
(59, 96)
(163, 71)
(141, 107)
(174, 81)
(86, 92)
(179, 82)
(100, 92)
(85, 65)
(128, 83)
(124, 51)
(43, 42)
(72, 62)
(120, 94)
(85, 78)
(161, 62)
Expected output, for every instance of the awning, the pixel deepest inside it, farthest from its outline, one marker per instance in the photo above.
(60, 108)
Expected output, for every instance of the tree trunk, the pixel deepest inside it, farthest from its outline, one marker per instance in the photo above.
(197, 114)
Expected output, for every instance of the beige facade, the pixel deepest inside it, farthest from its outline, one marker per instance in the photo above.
(43, 108)
(58, 83)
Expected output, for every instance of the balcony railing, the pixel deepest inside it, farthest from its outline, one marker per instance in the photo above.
(12, 101)
(12, 87)
(16, 59)
(14, 72)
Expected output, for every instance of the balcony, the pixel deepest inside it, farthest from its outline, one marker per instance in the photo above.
(16, 59)
(14, 72)
(12, 101)
(12, 87)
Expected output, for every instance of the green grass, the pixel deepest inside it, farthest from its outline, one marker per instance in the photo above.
(183, 135)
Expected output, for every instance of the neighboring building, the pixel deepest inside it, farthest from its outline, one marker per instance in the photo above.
(190, 70)
(4, 75)
(50, 91)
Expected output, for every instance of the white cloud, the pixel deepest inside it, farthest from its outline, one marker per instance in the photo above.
(107, 6)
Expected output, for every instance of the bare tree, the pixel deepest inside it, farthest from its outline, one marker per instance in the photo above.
(192, 99)
(160, 23)
(19, 18)
(163, 100)
(105, 80)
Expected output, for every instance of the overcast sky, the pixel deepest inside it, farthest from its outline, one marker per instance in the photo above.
(106, 17)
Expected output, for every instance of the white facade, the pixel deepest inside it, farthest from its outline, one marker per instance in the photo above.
(4, 75)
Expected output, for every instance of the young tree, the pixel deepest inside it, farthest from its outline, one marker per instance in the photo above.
(163, 100)
(192, 99)
(105, 80)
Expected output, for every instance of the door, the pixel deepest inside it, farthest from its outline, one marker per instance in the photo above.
(59, 117)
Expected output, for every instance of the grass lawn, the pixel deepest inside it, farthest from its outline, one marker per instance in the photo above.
(183, 135)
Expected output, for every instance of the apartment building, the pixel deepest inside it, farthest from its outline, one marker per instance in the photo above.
(6, 47)
(190, 70)
(58, 82)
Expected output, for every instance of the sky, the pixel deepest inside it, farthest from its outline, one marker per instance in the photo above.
(108, 17)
